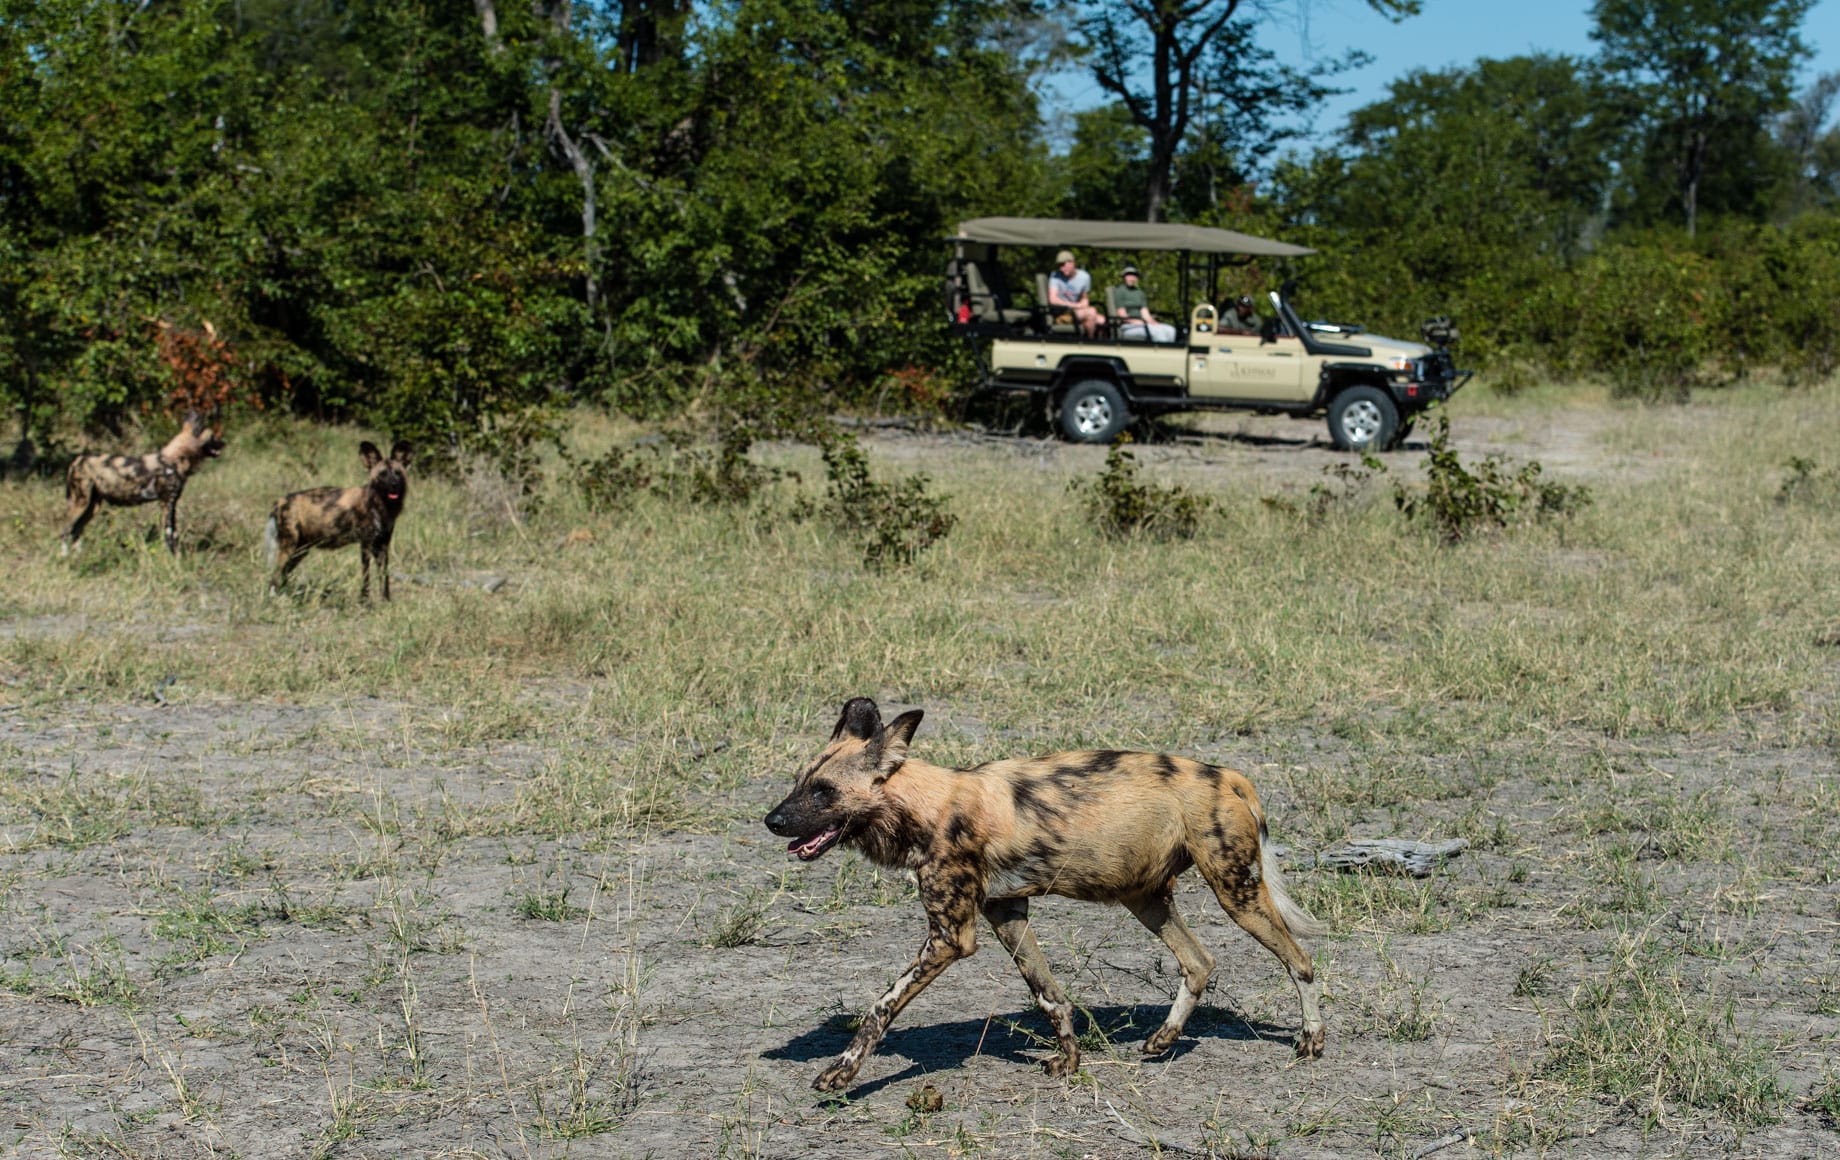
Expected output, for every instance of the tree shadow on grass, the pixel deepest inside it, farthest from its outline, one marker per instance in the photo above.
(1021, 1038)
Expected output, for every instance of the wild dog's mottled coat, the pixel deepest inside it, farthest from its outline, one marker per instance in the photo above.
(127, 480)
(1101, 826)
(333, 517)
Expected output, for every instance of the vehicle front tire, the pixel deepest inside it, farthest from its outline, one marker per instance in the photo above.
(1093, 411)
(1363, 419)
(1403, 433)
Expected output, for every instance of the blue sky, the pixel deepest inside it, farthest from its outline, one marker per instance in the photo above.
(1447, 32)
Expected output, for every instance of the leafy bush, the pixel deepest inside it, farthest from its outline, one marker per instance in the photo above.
(1122, 505)
(676, 469)
(1650, 317)
(1342, 485)
(899, 520)
(714, 477)
(1807, 482)
(609, 482)
(1460, 502)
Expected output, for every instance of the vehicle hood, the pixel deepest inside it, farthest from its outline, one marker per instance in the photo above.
(1387, 347)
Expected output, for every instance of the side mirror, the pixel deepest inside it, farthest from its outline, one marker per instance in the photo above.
(1270, 329)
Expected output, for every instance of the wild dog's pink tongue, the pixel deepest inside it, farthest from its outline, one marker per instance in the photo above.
(810, 847)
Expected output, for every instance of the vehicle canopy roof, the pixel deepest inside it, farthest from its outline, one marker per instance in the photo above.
(1015, 231)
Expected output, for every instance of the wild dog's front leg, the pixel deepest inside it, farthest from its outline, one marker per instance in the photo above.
(383, 567)
(364, 588)
(1010, 917)
(169, 523)
(951, 914)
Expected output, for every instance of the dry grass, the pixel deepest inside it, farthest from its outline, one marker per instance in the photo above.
(557, 740)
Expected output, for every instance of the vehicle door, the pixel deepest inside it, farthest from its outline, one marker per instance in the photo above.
(1244, 366)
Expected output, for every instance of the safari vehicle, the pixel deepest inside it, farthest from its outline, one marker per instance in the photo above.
(1369, 388)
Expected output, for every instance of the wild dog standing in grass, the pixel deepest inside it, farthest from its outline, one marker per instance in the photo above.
(1100, 826)
(127, 480)
(332, 517)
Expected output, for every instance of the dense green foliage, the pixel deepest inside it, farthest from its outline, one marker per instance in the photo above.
(452, 221)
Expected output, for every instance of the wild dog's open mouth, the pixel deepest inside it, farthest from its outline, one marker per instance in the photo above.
(809, 848)
(392, 496)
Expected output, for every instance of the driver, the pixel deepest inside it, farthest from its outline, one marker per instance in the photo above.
(1242, 318)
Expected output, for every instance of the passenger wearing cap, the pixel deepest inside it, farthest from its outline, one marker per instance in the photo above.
(1069, 292)
(1131, 309)
(1242, 317)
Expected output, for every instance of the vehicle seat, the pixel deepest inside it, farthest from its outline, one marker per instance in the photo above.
(987, 295)
(1115, 326)
(1051, 324)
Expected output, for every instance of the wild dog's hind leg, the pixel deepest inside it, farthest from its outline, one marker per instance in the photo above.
(1236, 882)
(289, 552)
(1010, 918)
(1158, 913)
(951, 919)
(82, 506)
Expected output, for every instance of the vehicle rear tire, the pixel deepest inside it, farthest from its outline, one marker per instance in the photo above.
(1363, 419)
(1093, 411)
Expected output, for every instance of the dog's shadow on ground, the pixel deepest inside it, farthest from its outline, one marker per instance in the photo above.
(1022, 1038)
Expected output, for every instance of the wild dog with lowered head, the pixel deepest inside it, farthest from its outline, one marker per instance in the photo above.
(1099, 826)
(127, 480)
(332, 517)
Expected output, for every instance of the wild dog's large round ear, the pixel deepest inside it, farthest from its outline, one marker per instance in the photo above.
(891, 746)
(402, 452)
(367, 451)
(860, 719)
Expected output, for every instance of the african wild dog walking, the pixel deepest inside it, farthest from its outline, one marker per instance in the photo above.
(1098, 826)
(127, 480)
(332, 517)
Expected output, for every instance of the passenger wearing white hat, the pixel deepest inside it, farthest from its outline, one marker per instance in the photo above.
(1131, 309)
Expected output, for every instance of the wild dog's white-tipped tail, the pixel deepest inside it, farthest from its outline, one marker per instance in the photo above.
(271, 542)
(1301, 921)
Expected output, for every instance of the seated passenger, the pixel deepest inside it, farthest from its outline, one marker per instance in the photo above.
(1242, 319)
(1068, 290)
(1131, 309)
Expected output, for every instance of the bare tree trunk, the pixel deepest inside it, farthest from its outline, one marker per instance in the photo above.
(1165, 111)
(1696, 164)
(488, 24)
(584, 172)
(560, 15)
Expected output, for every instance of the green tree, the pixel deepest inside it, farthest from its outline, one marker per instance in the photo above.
(1247, 104)
(1106, 166)
(1811, 145)
(1465, 192)
(1710, 75)
(1152, 56)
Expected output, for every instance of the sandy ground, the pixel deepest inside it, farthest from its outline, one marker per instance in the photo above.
(263, 929)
